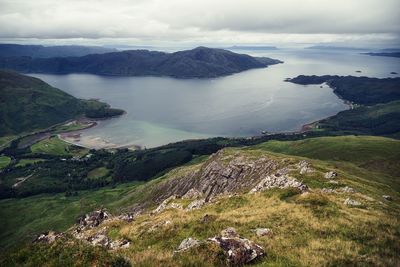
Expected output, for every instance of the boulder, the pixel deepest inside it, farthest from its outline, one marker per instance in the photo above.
(120, 244)
(331, 175)
(305, 167)
(263, 232)
(328, 191)
(352, 202)
(94, 218)
(387, 197)
(238, 250)
(188, 243)
(196, 204)
(347, 189)
(100, 240)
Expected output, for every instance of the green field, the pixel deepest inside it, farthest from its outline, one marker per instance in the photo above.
(24, 162)
(55, 146)
(98, 173)
(4, 161)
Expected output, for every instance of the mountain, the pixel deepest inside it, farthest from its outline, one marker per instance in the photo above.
(314, 202)
(200, 62)
(359, 90)
(384, 54)
(252, 47)
(40, 51)
(27, 104)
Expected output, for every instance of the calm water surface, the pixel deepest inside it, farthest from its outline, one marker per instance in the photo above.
(164, 110)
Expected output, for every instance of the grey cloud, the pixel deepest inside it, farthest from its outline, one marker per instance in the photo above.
(201, 21)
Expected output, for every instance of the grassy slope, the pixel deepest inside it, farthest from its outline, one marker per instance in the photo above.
(380, 119)
(377, 154)
(309, 230)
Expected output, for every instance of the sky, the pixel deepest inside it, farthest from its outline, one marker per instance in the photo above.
(364, 23)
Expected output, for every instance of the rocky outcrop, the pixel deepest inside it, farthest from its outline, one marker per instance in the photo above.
(187, 243)
(238, 250)
(279, 180)
(196, 204)
(166, 204)
(331, 175)
(93, 219)
(192, 194)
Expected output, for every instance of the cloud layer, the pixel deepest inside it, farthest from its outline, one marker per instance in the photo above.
(208, 21)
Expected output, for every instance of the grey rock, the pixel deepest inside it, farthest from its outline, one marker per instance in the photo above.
(229, 232)
(192, 194)
(93, 219)
(347, 189)
(328, 191)
(48, 237)
(120, 244)
(305, 167)
(278, 180)
(188, 243)
(238, 250)
(263, 232)
(100, 240)
(352, 202)
(331, 175)
(196, 204)
(166, 205)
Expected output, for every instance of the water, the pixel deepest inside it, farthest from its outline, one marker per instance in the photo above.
(161, 110)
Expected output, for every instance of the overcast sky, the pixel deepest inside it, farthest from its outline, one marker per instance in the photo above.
(220, 22)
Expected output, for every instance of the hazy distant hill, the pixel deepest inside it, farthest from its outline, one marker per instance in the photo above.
(200, 62)
(27, 103)
(339, 48)
(384, 54)
(40, 51)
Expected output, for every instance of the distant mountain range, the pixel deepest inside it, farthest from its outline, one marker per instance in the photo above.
(28, 104)
(201, 62)
(40, 51)
(341, 48)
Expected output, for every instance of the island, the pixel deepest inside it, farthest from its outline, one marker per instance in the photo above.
(200, 62)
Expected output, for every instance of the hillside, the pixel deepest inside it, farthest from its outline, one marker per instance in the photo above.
(40, 51)
(359, 90)
(281, 205)
(200, 62)
(28, 104)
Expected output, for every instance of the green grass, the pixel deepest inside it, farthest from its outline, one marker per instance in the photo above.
(24, 218)
(374, 153)
(4, 161)
(55, 146)
(24, 162)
